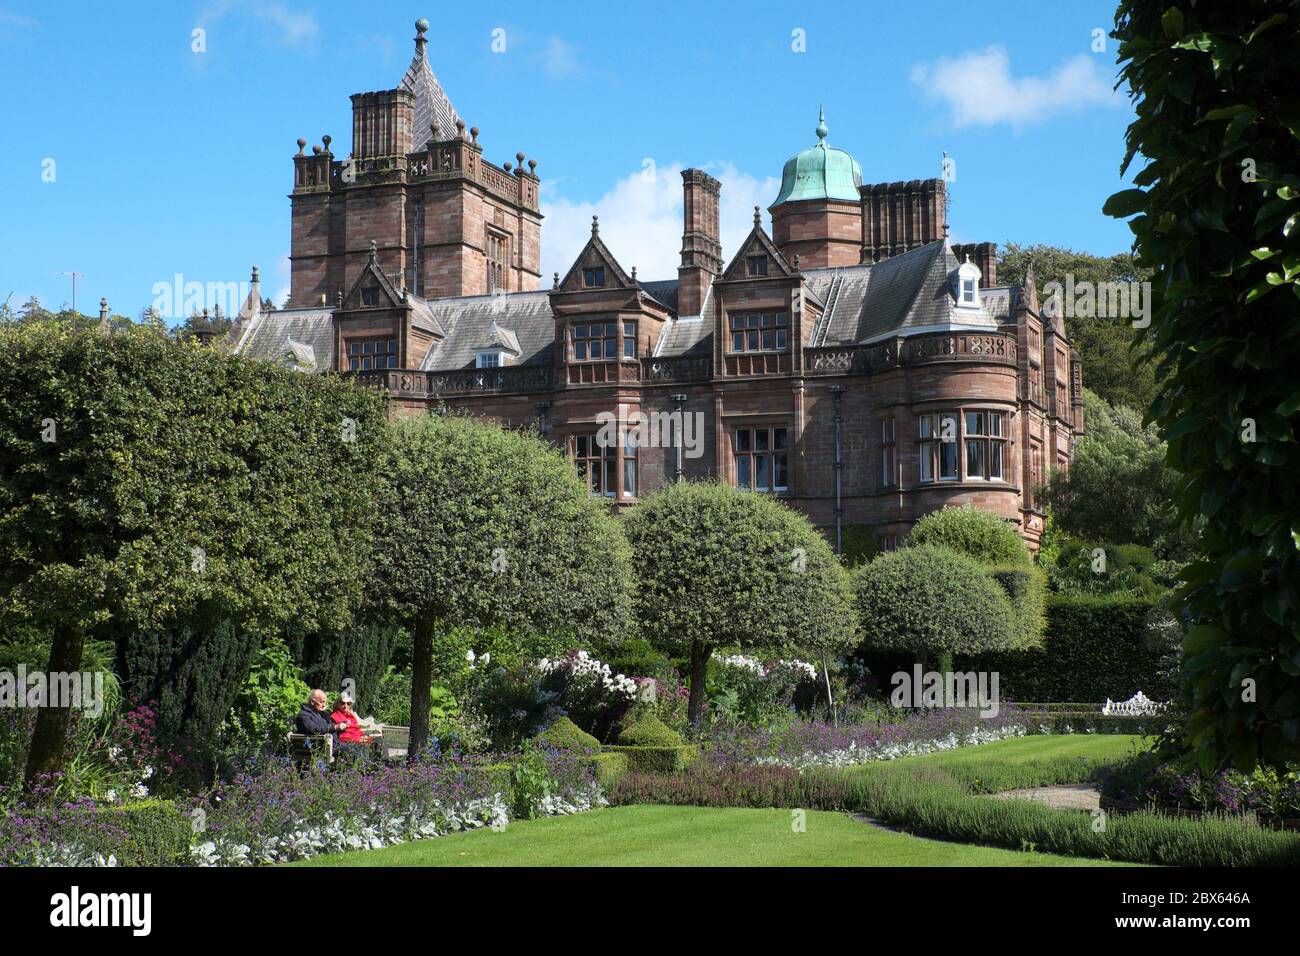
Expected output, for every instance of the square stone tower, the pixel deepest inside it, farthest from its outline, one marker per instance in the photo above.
(444, 221)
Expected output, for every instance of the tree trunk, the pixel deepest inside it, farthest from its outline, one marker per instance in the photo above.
(421, 683)
(46, 754)
(699, 673)
(945, 668)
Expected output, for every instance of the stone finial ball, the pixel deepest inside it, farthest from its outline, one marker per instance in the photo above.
(520, 156)
(327, 139)
(301, 142)
(422, 25)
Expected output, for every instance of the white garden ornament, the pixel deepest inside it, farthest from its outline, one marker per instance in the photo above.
(1139, 705)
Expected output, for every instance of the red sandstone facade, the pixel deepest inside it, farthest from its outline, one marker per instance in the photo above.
(417, 272)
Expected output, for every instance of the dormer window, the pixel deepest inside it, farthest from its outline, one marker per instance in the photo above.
(490, 358)
(756, 266)
(594, 278)
(967, 283)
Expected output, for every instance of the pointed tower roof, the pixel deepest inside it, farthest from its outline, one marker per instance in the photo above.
(431, 102)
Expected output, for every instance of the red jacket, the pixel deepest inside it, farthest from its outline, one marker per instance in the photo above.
(353, 734)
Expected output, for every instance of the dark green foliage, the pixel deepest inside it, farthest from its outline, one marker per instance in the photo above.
(650, 731)
(1113, 366)
(193, 672)
(1118, 487)
(719, 567)
(1078, 570)
(1216, 89)
(976, 533)
(564, 734)
(858, 544)
(150, 833)
(665, 759)
(932, 601)
(1026, 588)
(359, 654)
(1093, 648)
(144, 484)
(638, 657)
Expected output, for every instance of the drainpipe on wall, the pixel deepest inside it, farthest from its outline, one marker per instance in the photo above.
(679, 403)
(541, 417)
(838, 392)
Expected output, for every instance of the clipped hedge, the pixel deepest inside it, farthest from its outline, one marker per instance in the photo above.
(1093, 648)
(658, 759)
(1026, 588)
(153, 833)
(564, 734)
(609, 768)
(650, 731)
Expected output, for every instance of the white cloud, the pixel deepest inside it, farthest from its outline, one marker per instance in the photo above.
(641, 219)
(295, 26)
(560, 59)
(292, 27)
(979, 90)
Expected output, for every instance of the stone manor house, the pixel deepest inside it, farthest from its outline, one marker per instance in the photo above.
(853, 361)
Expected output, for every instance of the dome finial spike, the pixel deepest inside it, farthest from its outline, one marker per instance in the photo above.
(822, 129)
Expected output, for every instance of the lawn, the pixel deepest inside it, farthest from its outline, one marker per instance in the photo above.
(690, 836)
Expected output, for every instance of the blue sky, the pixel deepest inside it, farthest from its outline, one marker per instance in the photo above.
(167, 160)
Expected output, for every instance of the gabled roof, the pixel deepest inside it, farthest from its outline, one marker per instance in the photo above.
(595, 253)
(496, 337)
(757, 241)
(370, 275)
(432, 104)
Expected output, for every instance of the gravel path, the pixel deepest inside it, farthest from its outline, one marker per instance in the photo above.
(1077, 796)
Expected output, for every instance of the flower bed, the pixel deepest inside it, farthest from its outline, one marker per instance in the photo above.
(283, 814)
(802, 744)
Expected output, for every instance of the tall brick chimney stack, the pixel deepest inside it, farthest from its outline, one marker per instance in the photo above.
(900, 216)
(984, 255)
(701, 246)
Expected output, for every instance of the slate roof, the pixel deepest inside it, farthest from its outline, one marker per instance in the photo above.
(431, 101)
(271, 337)
(906, 293)
(526, 314)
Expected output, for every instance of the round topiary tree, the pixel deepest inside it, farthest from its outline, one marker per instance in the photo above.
(718, 567)
(995, 543)
(485, 527)
(976, 533)
(933, 602)
(153, 488)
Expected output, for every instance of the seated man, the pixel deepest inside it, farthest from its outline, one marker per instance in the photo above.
(314, 718)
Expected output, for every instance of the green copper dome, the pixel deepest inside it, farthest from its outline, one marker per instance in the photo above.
(821, 172)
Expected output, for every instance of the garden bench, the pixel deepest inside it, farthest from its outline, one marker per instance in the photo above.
(304, 747)
(392, 739)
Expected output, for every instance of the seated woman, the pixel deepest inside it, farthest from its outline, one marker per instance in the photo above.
(344, 714)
